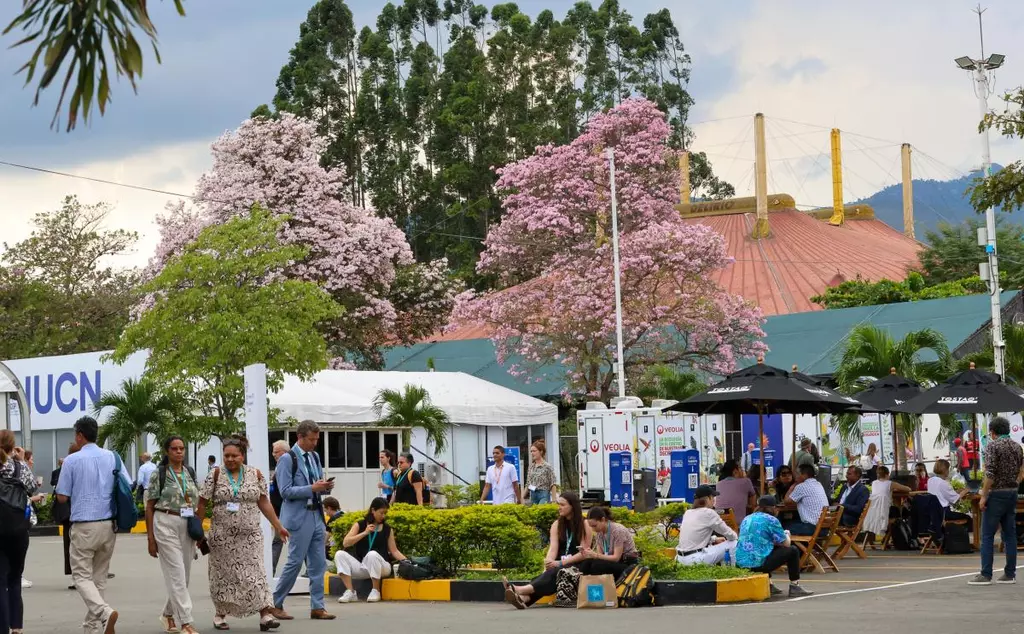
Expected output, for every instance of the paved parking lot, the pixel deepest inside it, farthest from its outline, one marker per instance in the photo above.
(888, 592)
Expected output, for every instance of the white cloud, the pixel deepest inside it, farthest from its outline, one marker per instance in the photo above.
(172, 168)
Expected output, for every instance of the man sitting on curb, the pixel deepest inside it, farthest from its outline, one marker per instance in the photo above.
(763, 546)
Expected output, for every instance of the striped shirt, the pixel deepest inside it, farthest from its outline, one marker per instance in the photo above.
(87, 477)
(810, 498)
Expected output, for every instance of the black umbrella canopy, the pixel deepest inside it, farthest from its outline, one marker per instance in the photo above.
(889, 392)
(969, 392)
(822, 382)
(764, 389)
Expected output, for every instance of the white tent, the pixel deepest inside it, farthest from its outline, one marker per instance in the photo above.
(346, 397)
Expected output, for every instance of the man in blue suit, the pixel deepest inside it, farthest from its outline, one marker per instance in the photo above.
(853, 496)
(300, 480)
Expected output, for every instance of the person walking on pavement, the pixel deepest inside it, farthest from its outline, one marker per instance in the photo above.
(14, 525)
(300, 478)
(1004, 461)
(87, 479)
(146, 469)
(171, 498)
(278, 449)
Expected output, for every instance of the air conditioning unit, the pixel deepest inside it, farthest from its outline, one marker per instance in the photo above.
(625, 402)
(662, 403)
(596, 405)
(434, 474)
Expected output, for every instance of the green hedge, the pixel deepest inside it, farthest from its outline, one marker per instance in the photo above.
(507, 537)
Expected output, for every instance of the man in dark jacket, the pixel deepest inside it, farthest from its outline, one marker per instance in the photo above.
(279, 449)
(853, 496)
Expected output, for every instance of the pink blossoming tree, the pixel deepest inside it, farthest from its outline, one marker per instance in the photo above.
(553, 251)
(362, 260)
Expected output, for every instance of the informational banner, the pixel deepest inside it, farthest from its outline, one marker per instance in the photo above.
(646, 446)
(671, 433)
(772, 431)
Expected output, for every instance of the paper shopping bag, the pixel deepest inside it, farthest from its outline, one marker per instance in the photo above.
(597, 591)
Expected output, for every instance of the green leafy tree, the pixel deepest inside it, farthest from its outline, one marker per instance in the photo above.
(860, 292)
(668, 382)
(80, 34)
(412, 408)
(58, 292)
(1013, 337)
(223, 304)
(871, 352)
(953, 253)
(1005, 188)
(141, 408)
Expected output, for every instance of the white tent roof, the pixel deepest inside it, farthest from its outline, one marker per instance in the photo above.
(346, 396)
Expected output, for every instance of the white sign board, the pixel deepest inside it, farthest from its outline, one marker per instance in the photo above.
(256, 432)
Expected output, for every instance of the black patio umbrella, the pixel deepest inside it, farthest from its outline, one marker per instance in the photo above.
(887, 393)
(969, 392)
(762, 389)
(824, 382)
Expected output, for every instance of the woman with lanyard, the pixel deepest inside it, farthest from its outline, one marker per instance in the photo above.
(567, 533)
(387, 473)
(614, 549)
(408, 484)
(366, 552)
(168, 507)
(238, 578)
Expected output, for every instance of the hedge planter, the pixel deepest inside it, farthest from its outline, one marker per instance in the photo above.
(752, 588)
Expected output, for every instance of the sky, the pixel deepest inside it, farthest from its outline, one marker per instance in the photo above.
(882, 72)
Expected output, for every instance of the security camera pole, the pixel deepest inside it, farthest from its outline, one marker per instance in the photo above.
(987, 237)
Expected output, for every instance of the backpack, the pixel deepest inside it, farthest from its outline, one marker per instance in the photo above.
(419, 569)
(14, 515)
(122, 503)
(635, 587)
(162, 471)
(956, 541)
(567, 587)
(902, 537)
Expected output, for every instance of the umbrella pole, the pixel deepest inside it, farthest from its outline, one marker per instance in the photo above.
(760, 442)
(895, 445)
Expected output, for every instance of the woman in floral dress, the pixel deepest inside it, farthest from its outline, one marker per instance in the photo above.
(238, 578)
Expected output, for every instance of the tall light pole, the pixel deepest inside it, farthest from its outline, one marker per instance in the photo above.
(981, 68)
(620, 364)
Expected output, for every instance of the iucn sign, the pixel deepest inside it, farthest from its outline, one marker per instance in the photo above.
(614, 446)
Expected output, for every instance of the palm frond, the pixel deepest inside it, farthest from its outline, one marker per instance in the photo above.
(412, 408)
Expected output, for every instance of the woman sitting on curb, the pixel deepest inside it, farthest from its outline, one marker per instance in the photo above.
(567, 533)
(373, 543)
(613, 550)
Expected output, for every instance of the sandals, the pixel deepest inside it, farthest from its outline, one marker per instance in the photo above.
(168, 624)
(220, 624)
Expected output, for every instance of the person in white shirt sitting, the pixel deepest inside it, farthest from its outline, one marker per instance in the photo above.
(704, 537)
(939, 486)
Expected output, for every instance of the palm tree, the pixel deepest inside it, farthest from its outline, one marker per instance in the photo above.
(871, 352)
(412, 408)
(139, 408)
(663, 381)
(1013, 337)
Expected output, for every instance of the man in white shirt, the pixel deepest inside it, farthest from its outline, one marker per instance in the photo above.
(747, 459)
(146, 469)
(502, 480)
(939, 486)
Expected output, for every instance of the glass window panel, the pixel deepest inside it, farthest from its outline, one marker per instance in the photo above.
(336, 441)
(373, 450)
(391, 442)
(354, 449)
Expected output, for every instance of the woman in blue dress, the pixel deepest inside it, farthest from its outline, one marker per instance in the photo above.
(387, 473)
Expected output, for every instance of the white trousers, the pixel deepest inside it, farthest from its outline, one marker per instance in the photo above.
(712, 555)
(175, 550)
(373, 566)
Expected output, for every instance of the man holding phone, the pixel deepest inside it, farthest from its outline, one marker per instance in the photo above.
(300, 479)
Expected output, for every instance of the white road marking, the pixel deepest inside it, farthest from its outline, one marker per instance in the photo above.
(888, 587)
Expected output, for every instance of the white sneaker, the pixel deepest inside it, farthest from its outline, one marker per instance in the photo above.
(25, 583)
(348, 597)
(374, 596)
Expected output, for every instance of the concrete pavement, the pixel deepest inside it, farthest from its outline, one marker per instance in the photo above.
(888, 592)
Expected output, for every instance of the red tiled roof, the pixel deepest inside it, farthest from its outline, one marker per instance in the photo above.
(803, 257)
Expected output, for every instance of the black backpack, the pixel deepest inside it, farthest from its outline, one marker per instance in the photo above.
(13, 503)
(955, 540)
(902, 537)
(635, 587)
(419, 569)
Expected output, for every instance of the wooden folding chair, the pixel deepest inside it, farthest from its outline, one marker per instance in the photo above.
(813, 548)
(931, 545)
(848, 537)
(886, 540)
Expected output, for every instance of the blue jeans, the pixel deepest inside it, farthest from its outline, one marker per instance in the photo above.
(540, 497)
(1000, 511)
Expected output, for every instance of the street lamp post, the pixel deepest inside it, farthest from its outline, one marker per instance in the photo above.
(620, 365)
(980, 68)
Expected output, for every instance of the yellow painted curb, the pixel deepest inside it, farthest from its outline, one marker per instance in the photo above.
(428, 590)
(756, 588)
(138, 529)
